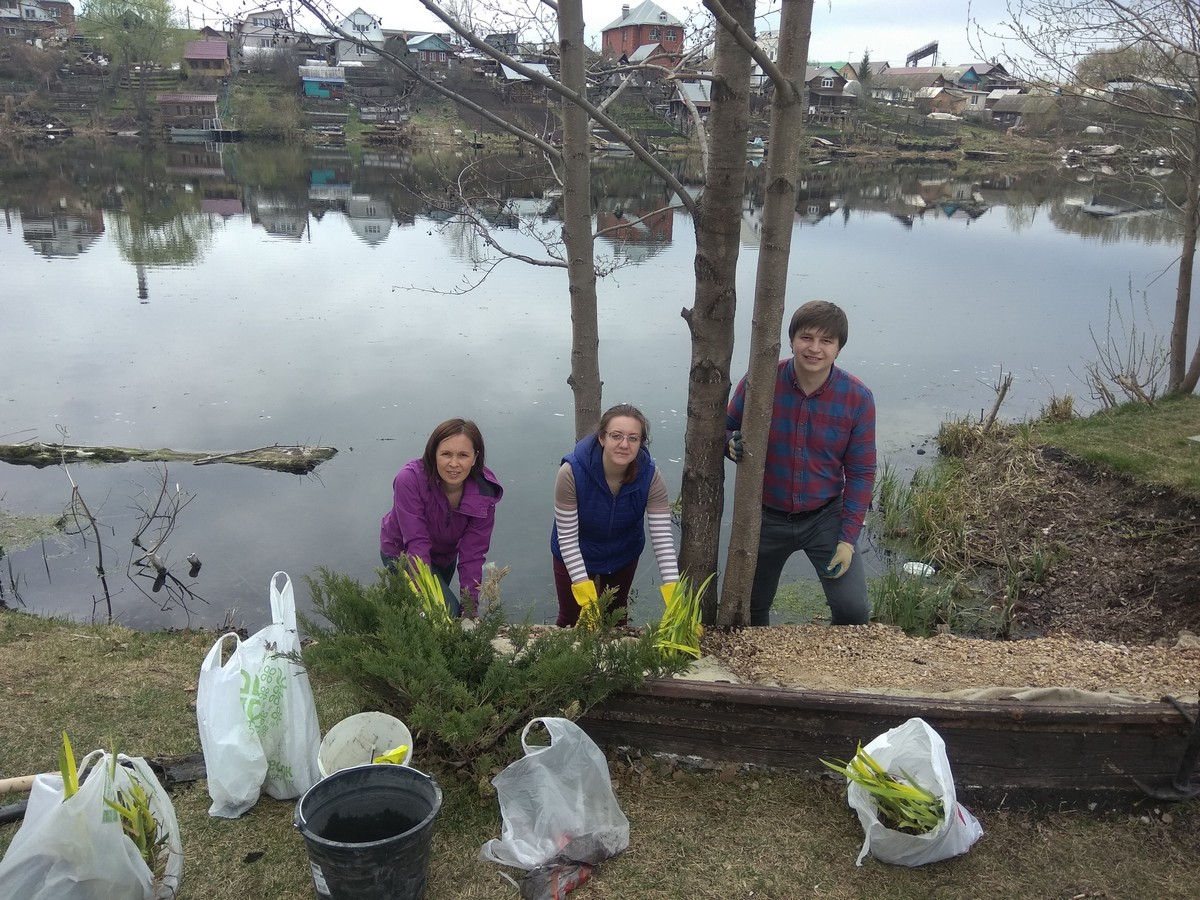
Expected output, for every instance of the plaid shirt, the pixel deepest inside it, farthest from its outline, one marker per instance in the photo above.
(821, 445)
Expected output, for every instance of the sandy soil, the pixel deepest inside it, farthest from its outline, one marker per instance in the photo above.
(1118, 612)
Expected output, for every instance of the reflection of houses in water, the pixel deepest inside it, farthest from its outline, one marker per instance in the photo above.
(370, 219)
(278, 216)
(943, 198)
(329, 181)
(62, 231)
(637, 228)
(220, 195)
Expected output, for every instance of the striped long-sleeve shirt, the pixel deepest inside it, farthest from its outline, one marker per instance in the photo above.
(821, 445)
(658, 515)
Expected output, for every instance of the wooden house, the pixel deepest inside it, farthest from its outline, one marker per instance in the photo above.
(847, 70)
(431, 51)
(940, 100)
(1036, 111)
(518, 88)
(504, 41)
(187, 110)
(900, 85)
(825, 90)
(206, 59)
(646, 23)
(698, 93)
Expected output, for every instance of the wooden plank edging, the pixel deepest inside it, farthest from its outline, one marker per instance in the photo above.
(995, 745)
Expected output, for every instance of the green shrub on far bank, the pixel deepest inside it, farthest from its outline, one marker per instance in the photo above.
(463, 689)
(266, 115)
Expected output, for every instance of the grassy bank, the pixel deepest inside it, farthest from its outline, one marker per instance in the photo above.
(1065, 522)
(721, 834)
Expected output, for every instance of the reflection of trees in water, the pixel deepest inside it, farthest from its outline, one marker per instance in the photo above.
(157, 240)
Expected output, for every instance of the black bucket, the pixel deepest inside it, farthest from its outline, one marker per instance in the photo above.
(367, 830)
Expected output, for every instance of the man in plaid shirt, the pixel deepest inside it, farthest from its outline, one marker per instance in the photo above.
(820, 467)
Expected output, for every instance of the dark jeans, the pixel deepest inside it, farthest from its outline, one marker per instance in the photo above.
(815, 533)
(568, 608)
(445, 575)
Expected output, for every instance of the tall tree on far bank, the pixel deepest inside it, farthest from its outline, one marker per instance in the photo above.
(132, 33)
(1140, 59)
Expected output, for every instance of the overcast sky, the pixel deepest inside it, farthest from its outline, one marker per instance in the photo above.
(842, 29)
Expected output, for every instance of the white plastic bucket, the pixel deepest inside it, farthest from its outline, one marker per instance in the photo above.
(357, 740)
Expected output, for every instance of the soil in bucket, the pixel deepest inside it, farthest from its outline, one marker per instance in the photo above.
(367, 830)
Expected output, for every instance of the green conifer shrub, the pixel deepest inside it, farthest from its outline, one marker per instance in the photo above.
(465, 690)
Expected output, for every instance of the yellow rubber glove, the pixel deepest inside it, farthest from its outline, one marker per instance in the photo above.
(585, 593)
(841, 560)
(668, 591)
(589, 604)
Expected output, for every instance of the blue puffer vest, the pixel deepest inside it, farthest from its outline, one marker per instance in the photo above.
(612, 533)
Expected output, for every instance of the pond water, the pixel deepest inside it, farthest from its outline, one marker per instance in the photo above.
(220, 299)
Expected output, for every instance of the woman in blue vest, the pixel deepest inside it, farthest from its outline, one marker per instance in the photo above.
(606, 488)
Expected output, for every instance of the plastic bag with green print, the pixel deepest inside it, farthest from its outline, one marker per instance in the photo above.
(278, 700)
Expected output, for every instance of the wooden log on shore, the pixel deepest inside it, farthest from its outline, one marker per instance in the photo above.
(296, 459)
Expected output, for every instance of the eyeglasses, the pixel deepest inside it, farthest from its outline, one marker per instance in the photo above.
(617, 438)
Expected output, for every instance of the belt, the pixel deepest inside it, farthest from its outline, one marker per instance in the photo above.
(795, 516)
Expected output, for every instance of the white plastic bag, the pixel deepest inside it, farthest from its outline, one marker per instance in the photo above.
(557, 803)
(256, 714)
(920, 751)
(279, 702)
(234, 761)
(76, 849)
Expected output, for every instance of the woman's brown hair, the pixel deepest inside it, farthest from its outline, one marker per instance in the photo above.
(450, 428)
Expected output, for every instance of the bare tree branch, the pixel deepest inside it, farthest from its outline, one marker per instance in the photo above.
(561, 90)
(726, 21)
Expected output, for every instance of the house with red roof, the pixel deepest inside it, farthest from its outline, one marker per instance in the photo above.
(645, 33)
(206, 59)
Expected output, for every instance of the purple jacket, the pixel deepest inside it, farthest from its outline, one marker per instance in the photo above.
(422, 524)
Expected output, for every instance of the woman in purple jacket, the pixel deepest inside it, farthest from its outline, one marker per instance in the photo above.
(443, 511)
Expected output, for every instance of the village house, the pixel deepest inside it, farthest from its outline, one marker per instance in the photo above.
(940, 100)
(1036, 111)
(261, 34)
(847, 70)
(518, 88)
(32, 19)
(206, 59)
(825, 90)
(187, 110)
(505, 42)
(699, 94)
(901, 85)
(648, 26)
(369, 37)
(323, 82)
(431, 51)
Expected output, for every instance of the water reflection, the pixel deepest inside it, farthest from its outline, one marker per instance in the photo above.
(309, 295)
(64, 230)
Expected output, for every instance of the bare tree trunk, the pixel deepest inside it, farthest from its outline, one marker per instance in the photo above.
(710, 320)
(779, 210)
(1182, 377)
(577, 225)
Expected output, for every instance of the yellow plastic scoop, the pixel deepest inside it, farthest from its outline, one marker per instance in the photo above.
(395, 756)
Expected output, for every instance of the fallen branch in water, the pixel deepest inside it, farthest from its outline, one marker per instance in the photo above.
(299, 460)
